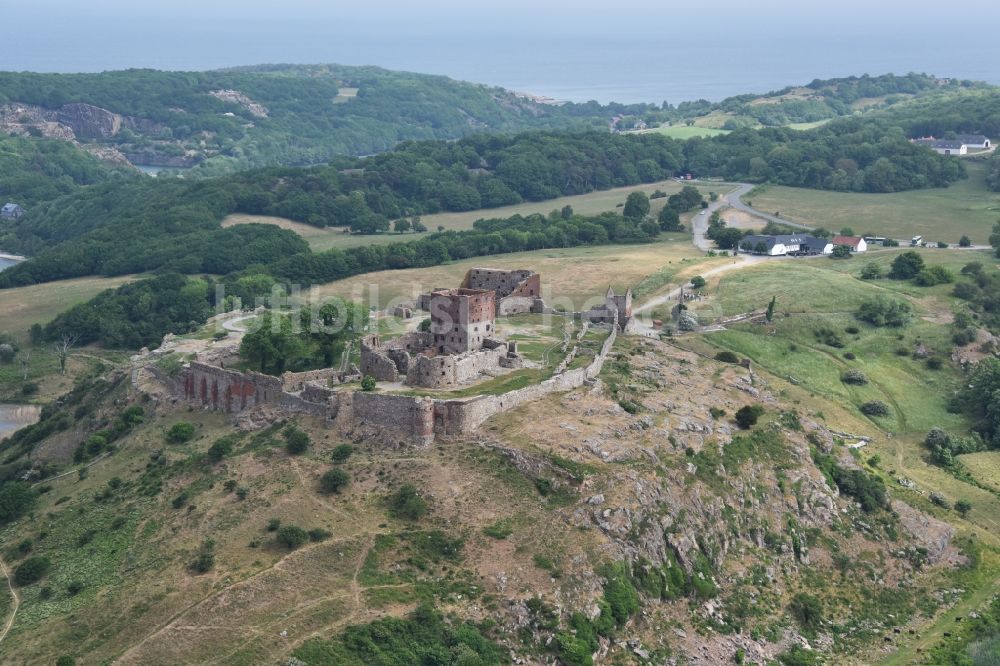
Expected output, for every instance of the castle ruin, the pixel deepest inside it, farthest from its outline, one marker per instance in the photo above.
(459, 346)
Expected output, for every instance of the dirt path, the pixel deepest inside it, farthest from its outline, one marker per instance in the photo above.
(14, 596)
(739, 263)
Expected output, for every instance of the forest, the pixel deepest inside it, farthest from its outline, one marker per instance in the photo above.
(34, 169)
(174, 224)
(306, 119)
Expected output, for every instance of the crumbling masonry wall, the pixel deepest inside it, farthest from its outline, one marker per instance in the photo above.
(416, 419)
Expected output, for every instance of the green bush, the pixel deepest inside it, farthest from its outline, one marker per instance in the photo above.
(620, 594)
(871, 271)
(884, 311)
(292, 537)
(296, 441)
(221, 448)
(368, 383)
(727, 357)
(333, 481)
(341, 453)
(31, 570)
(65, 660)
(906, 266)
(180, 433)
(807, 611)
(841, 252)
(747, 416)
(874, 408)
(407, 504)
(854, 376)
(697, 282)
(934, 275)
(204, 559)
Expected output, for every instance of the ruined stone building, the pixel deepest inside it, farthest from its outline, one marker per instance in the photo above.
(517, 291)
(460, 346)
(616, 307)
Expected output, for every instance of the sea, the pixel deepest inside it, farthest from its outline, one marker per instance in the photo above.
(653, 56)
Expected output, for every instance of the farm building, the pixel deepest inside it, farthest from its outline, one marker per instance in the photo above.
(11, 211)
(974, 140)
(856, 243)
(781, 245)
(945, 146)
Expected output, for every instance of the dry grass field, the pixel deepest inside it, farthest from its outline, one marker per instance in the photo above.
(570, 277)
(592, 203)
(24, 306)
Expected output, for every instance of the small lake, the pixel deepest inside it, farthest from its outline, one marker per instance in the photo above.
(6, 263)
(15, 417)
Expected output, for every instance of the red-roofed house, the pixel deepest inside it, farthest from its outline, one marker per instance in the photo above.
(856, 243)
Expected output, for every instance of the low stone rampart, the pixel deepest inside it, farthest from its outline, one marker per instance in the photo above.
(413, 418)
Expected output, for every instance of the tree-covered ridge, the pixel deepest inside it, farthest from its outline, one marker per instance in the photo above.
(821, 99)
(308, 114)
(153, 224)
(34, 170)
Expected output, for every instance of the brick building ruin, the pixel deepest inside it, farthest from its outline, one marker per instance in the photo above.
(459, 347)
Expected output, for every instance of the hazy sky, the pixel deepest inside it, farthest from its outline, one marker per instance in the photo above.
(579, 49)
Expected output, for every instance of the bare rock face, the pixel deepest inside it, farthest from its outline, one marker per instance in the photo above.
(90, 121)
(931, 533)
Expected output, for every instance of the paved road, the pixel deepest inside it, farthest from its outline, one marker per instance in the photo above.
(733, 199)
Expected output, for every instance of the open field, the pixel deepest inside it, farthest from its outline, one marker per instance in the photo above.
(808, 126)
(572, 278)
(24, 306)
(592, 203)
(945, 214)
(685, 132)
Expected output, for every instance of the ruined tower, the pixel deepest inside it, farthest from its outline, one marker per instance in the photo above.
(461, 319)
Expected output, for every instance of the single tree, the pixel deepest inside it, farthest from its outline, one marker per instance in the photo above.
(770, 308)
(419, 226)
(636, 206)
(333, 481)
(401, 226)
(963, 507)
(697, 282)
(965, 241)
(63, 347)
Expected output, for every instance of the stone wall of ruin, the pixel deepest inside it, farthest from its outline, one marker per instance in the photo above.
(412, 418)
(376, 362)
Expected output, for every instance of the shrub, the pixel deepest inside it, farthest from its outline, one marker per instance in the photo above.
(319, 534)
(940, 500)
(220, 448)
(273, 524)
(855, 377)
(828, 337)
(333, 481)
(963, 507)
(747, 416)
(884, 311)
(697, 282)
(850, 356)
(727, 357)
(934, 363)
(341, 453)
(407, 504)
(31, 570)
(292, 537)
(871, 271)
(65, 660)
(852, 330)
(906, 266)
(296, 441)
(807, 611)
(501, 529)
(368, 383)
(965, 241)
(875, 408)
(620, 594)
(841, 252)
(716, 412)
(934, 275)
(180, 432)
